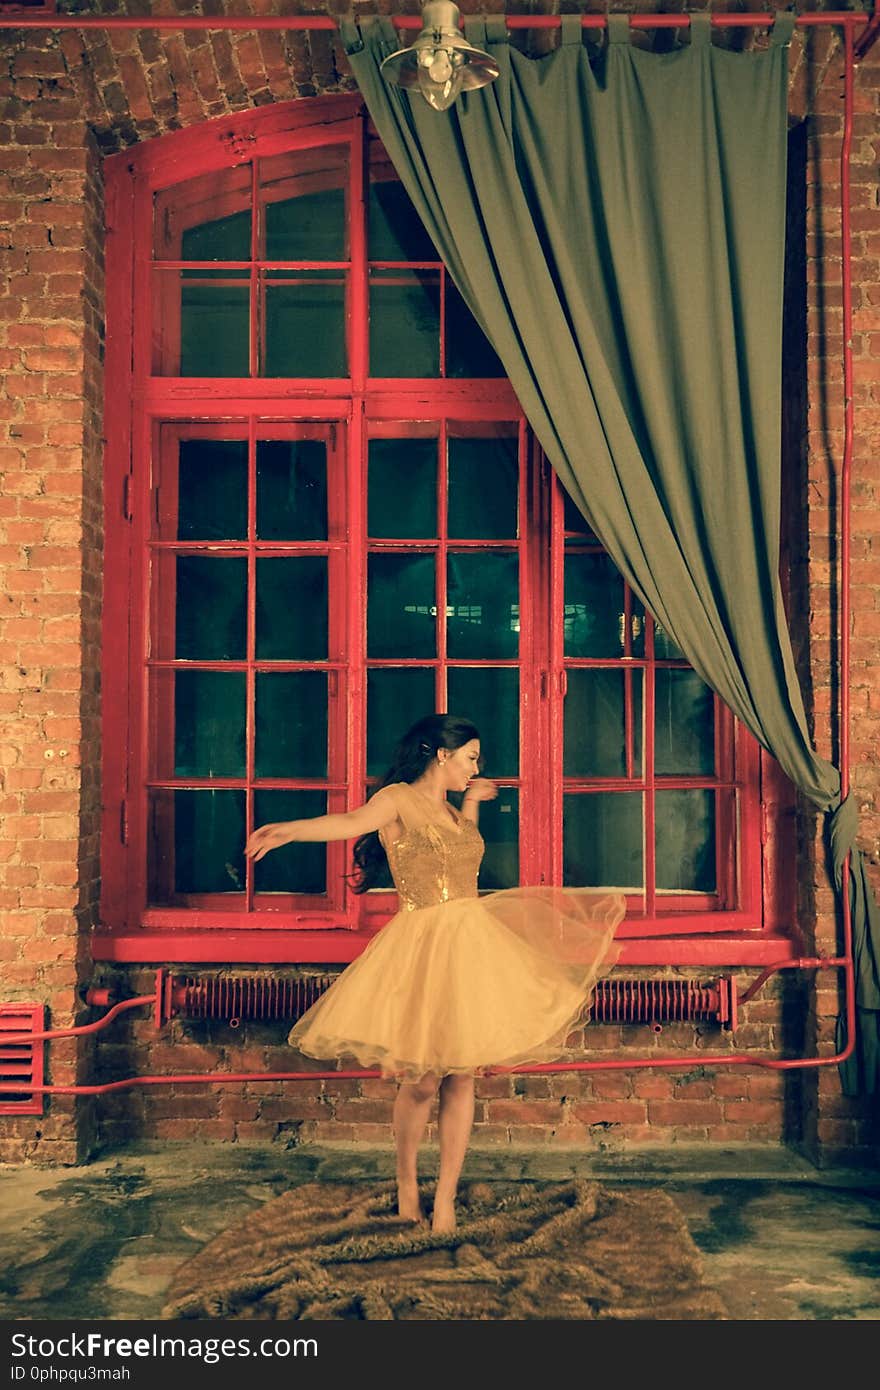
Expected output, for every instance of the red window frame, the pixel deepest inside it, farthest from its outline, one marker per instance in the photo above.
(143, 409)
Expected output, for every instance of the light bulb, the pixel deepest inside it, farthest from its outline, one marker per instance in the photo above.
(440, 78)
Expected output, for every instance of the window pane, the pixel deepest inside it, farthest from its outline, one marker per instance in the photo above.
(303, 197)
(212, 490)
(209, 723)
(685, 723)
(211, 608)
(292, 609)
(595, 723)
(401, 608)
(223, 239)
(499, 827)
(207, 218)
(482, 614)
(602, 841)
(395, 230)
(404, 323)
(196, 844)
(291, 490)
(489, 697)
(483, 487)
(395, 700)
(295, 868)
(305, 323)
(574, 519)
(685, 839)
(403, 488)
(468, 350)
(665, 649)
(291, 724)
(214, 324)
(594, 613)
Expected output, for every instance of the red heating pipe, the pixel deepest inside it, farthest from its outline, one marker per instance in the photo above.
(848, 21)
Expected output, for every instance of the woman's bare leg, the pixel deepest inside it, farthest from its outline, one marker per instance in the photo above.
(412, 1106)
(455, 1121)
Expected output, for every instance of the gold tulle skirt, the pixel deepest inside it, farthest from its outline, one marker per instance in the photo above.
(468, 984)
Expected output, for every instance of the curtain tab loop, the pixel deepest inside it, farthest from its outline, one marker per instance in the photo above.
(496, 29)
(701, 29)
(618, 28)
(350, 35)
(783, 28)
(572, 31)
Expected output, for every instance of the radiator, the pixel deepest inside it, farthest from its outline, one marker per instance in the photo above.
(233, 998)
(21, 1062)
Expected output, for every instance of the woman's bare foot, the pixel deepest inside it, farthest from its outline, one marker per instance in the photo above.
(408, 1204)
(443, 1218)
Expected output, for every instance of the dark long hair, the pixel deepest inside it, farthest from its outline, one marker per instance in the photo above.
(412, 756)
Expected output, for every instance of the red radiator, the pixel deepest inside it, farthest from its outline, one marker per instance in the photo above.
(21, 1062)
(237, 997)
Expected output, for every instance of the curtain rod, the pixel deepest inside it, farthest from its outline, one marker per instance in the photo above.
(763, 19)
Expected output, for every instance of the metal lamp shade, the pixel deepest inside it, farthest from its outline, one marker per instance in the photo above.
(423, 64)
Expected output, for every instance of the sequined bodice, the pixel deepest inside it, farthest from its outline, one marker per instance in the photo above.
(434, 860)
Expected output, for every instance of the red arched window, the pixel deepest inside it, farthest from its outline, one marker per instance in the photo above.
(326, 516)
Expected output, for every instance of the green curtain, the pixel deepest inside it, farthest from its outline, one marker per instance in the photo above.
(616, 224)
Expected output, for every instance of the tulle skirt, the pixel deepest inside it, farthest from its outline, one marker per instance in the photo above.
(468, 984)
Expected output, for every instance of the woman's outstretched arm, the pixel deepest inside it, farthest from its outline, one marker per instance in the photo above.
(375, 814)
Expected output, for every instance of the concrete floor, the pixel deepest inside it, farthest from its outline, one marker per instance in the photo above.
(780, 1240)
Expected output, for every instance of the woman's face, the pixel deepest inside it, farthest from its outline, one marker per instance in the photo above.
(461, 764)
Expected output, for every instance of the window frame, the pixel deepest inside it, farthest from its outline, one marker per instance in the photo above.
(758, 931)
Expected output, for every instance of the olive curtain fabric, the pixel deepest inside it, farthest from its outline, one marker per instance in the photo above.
(615, 221)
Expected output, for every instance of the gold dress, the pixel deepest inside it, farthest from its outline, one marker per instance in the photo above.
(455, 981)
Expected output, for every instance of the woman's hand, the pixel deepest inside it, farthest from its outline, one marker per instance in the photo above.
(481, 789)
(270, 836)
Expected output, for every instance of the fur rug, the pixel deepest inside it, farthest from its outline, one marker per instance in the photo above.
(522, 1251)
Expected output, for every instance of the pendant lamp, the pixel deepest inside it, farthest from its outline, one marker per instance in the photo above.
(440, 62)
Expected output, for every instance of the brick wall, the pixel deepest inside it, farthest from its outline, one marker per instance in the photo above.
(65, 99)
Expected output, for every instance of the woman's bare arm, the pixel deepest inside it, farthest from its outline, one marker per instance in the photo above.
(375, 814)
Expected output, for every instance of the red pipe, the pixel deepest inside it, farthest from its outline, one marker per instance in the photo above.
(848, 21)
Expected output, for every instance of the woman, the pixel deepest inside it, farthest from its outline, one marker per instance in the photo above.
(455, 982)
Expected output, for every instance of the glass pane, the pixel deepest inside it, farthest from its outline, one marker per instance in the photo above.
(211, 490)
(395, 230)
(665, 649)
(483, 487)
(207, 218)
(223, 239)
(211, 608)
(196, 844)
(209, 723)
(594, 614)
(291, 490)
(303, 196)
(404, 323)
(482, 613)
(685, 839)
(291, 724)
(401, 608)
(685, 723)
(395, 700)
(305, 324)
(595, 723)
(489, 697)
(468, 350)
(602, 839)
(403, 488)
(295, 868)
(292, 609)
(214, 324)
(574, 519)
(499, 827)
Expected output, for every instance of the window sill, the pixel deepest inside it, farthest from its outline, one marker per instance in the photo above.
(269, 947)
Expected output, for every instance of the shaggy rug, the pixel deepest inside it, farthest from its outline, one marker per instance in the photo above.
(526, 1250)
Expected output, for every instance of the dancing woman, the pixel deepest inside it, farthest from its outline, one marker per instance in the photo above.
(455, 982)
